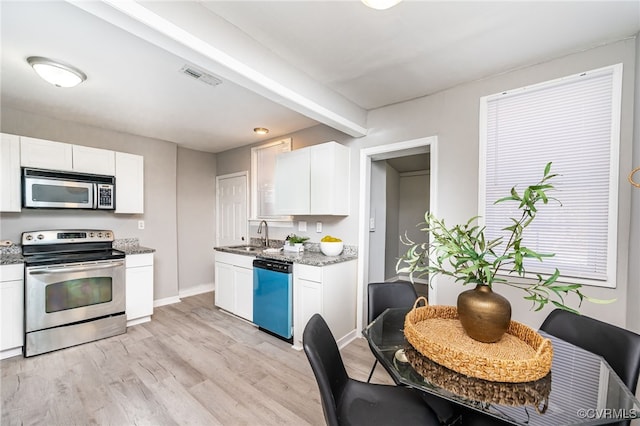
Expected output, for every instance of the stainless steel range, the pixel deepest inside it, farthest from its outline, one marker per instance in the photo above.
(74, 288)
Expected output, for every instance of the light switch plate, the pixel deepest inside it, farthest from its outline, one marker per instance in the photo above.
(141, 224)
(302, 225)
(318, 226)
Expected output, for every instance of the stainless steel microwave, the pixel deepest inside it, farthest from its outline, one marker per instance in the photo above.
(67, 190)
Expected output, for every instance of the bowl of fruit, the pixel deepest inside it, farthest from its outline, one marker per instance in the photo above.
(331, 246)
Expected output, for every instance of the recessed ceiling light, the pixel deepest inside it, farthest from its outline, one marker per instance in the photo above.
(56, 73)
(261, 130)
(381, 4)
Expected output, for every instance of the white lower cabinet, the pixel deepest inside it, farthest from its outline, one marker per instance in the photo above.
(234, 283)
(330, 291)
(11, 310)
(139, 284)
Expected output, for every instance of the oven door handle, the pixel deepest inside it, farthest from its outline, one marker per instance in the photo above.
(75, 269)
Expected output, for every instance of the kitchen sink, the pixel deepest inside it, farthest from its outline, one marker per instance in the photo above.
(246, 248)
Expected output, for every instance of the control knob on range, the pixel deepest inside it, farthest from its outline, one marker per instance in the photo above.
(40, 236)
(29, 237)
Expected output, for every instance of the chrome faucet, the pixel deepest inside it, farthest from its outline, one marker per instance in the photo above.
(266, 232)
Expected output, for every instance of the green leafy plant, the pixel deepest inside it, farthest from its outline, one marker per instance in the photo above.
(294, 239)
(464, 253)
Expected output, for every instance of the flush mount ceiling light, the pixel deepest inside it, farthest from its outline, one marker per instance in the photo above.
(381, 4)
(261, 130)
(56, 73)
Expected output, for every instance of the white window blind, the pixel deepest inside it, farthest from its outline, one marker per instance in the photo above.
(574, 123)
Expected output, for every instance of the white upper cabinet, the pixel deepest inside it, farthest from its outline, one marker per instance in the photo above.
(44, 154)
(10, 184)
(129, 183)
(292, 182)
(313, 181)
(94, 160)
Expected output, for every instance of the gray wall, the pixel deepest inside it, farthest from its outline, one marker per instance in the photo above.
(453, 115)
(160, 199)
(196, 220)
(393, 231)
(378, 210)
(414, 202)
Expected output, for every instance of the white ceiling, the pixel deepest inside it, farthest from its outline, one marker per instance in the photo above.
(284, 65)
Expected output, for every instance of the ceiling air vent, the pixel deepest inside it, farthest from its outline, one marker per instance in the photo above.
(200, 75)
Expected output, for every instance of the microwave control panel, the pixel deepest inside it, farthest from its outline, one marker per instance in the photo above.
(106, 196)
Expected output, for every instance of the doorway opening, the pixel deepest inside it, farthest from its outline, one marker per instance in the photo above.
(397, 187)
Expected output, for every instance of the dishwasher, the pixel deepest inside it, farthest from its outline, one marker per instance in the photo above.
(273, 297)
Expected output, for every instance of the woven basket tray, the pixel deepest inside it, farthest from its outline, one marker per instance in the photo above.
(522, 355)
(534, 394)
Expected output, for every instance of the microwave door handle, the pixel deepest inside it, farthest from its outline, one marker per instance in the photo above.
(95, 196)
(75, 269)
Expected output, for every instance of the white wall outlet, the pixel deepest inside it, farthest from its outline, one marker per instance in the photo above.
(302, 225)
(318, 227)
(141, 224)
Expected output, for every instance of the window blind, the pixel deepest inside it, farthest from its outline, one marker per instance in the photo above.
(572, 123)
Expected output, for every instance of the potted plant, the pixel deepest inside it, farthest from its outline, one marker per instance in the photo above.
(463, 252)
(294, 243)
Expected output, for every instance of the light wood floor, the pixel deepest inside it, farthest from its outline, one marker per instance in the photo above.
(191, 365)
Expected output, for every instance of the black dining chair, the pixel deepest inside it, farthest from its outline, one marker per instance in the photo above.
(346, 401)
(619, 347)
(402, 294)
(397, 294)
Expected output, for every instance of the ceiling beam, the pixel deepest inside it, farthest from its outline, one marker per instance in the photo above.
(191, 31)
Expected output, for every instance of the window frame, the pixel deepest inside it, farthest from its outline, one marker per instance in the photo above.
(614, 166)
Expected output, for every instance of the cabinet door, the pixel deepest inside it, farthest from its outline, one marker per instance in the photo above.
(309, 302)
(291, 182)
(329, 182)
(44, 154)
(10, 184)
(94, 160)
(139, 284)
(11, 310)
(243, 293)
(129, 183)
(225, 287)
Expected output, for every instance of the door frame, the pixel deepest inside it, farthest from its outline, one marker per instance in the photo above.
(244, 173)
(383, 152)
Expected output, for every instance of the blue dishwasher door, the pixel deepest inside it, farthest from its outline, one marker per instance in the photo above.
(273, 297)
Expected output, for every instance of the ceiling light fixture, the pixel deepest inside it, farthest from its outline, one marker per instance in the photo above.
(56, 73)
(261, 130)
(381, 4)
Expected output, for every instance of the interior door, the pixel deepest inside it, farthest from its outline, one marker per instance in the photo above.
(232, 209)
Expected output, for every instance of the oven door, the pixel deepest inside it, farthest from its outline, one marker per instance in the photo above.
(63, 294)
(54, 193)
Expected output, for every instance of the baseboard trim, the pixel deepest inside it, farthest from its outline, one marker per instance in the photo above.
(198, 289)
(8, 353)
(166, 301)
(347, 338)
(138, 321)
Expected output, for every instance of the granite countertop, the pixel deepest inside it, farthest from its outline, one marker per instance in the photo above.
(311, 256)
(131, 246)
(12, 255)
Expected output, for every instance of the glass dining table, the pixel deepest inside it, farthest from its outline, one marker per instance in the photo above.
(581, 389)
